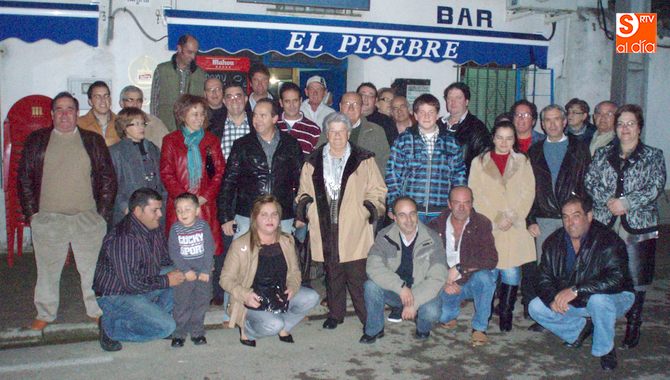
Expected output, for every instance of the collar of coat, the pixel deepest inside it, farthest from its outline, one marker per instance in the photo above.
(614, 156)
(514, 162)
(422, 238)
(191, 67)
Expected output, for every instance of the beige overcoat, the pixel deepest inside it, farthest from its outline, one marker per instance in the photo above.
(362, 182)
(497, 196)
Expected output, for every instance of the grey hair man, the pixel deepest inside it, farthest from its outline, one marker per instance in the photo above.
(603, 117)
(132, 96)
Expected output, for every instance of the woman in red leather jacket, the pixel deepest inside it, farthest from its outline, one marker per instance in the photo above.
(191, 161)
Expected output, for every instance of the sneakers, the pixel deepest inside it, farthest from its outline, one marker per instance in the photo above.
(421, 335)
(177, 342)
(395, 316)
(106, 343)
(479, 338)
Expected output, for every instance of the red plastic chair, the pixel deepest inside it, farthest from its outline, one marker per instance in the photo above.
(27, 115)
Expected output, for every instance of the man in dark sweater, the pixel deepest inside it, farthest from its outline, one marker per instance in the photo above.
(406, 269)
(133, 291)
(471, 258)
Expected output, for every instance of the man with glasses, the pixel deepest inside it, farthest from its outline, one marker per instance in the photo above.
(524, 115)
(180, 75)
(100, 119)
(216, 111)
(368, 93)
(401, 114)
(578, 120)
(384, 97)
(603, 117)
(132, 96)
(237, 123)
(364, 134)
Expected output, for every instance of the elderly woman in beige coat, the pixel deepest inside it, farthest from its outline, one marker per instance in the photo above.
(342, 194)
(503, 187)
(264, 258)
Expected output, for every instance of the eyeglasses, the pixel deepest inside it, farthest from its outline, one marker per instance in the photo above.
(350, 104)
(234, 96)
(606, 114)
(628, 124)
(398, 108)
(523, 115)
(214, 90)
(385, 100)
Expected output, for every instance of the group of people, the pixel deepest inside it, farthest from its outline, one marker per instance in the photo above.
(403, 207)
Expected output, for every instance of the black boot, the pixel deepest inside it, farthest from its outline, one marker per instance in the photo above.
(506, 305)
(634, 317)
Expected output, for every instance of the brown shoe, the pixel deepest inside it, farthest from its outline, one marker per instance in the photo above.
(479, 338)
(38, 325)
(449, 325)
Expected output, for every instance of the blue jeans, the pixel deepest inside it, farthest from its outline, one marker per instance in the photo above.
(259, 324)
(376, 298)
(509, 276)
(603, 309)
(138, 317)
(480, 288)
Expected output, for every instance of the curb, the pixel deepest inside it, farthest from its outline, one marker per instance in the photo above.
(60, 333)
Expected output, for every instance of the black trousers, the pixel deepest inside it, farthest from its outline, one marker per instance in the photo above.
(340, 277)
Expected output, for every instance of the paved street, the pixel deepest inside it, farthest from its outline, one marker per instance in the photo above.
(321, 354)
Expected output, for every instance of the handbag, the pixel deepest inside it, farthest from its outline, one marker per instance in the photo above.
(272, 298)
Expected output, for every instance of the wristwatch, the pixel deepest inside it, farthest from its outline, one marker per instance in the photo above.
(574, 290)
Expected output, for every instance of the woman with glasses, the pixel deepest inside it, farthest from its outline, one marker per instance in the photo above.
(503, 188)
(625, 181)
(136, 159)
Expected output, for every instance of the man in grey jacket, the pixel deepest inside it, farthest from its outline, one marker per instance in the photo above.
(406, 269)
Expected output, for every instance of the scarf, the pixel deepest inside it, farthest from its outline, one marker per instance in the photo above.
(192, 142)
(333, 168)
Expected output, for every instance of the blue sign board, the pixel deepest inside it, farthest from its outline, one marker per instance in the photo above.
(341, 38)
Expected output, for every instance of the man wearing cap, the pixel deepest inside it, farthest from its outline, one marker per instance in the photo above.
(313, 107)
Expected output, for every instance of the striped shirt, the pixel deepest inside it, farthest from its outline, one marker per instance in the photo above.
(304, 130)
(131, 259)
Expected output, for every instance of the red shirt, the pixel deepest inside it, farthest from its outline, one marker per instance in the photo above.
(500, 161)
(524, 144)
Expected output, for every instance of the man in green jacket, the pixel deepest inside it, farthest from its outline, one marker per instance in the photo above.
(180, 75)
(406, 269)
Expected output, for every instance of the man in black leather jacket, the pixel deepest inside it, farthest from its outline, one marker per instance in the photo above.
(559, 165)
(265, 161)
(583, 274)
